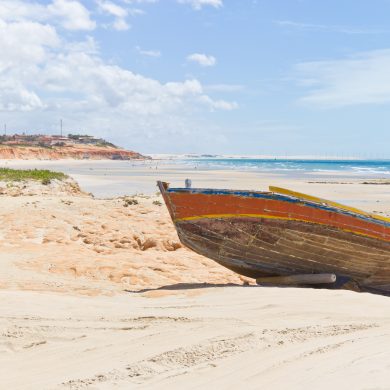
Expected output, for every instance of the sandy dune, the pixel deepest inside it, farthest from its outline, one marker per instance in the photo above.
(81, 245)
(100, 294)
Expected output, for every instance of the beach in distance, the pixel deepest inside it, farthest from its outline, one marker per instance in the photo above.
(97, 291)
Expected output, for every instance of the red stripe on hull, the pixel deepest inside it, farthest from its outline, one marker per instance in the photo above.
(187, 205)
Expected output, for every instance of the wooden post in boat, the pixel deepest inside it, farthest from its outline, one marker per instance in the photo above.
(292, 280)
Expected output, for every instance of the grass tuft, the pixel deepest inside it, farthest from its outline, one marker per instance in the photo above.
(42, 175)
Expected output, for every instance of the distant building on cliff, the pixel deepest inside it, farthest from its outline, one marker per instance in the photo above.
(53, 140)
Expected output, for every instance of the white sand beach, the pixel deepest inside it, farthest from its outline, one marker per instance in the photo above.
(100, 294)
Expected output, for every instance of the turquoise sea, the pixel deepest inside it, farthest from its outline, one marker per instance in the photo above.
(377, 168)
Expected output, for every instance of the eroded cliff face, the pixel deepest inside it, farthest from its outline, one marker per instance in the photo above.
(67, 152)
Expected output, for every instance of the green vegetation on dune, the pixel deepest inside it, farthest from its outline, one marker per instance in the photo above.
(43, 175)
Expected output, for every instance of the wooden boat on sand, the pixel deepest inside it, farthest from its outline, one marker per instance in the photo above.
(281, 237)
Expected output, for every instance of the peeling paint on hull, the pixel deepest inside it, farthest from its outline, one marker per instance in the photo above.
(268, 234)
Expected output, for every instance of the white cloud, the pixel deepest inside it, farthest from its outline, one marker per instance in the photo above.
(218, 104)
(120, 14)
(363, 78)
(14, 97)
(112, 8)
(202, 59)
(16, 10)
(198, 4)
(25, 47)
(328, 28)
(189, 87)
(135, 11)
(148, 53)
(73, 15)
(25, 43)
(70, 14)
(120, 25)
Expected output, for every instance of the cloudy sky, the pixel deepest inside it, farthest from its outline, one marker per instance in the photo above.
(202, 76)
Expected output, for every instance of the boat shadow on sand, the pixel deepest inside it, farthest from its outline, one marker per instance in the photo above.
(188, 286)
(196, 286)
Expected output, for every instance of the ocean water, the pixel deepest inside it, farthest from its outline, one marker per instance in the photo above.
(377, 168)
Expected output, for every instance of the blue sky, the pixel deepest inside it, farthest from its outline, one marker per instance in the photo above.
(293, 77)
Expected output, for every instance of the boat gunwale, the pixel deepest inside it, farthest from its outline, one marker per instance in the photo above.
(284, 198)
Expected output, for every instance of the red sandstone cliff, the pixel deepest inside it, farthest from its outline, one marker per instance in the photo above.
(67, 152)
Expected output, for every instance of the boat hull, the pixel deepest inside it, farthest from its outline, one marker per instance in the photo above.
(263, 234)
